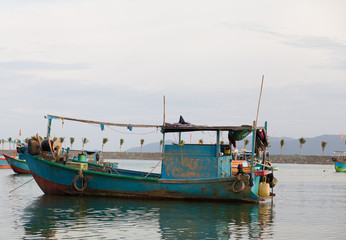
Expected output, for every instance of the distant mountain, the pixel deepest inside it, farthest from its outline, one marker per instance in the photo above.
(311, 147)
(151, 147)
(291, 146)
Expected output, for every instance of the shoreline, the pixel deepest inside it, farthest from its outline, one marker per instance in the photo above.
(292, 159)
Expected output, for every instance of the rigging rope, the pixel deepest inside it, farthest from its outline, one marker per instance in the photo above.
(154, 167)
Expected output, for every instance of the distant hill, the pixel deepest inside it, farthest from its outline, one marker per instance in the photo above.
(151, 147)
(311, 147)
(291, 146)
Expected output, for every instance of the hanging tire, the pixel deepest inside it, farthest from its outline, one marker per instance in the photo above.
(234, 186)
(84, 183)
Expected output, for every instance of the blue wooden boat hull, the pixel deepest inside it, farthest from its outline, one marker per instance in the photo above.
(17, 165)
(4, 164)
(339, 166)
(55, 178)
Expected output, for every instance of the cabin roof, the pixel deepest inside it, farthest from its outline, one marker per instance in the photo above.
(192, 128)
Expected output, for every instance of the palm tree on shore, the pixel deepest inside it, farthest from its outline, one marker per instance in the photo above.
(37, 138)
(246, 142)
(84, 141)
(104, 141)
(62, 139)
(121, 143)
(302, 141)
(71, 141)
(323, 145)
(9, 144)
(142, 142)
(282, 143)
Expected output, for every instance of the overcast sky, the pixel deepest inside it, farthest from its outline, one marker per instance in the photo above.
(114, 60)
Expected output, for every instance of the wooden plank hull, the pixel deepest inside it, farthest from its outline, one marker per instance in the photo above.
(54, 178)
(17, 165)
(4, 164)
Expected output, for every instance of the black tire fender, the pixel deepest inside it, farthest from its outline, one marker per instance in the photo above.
(84, 183)
(236, 182)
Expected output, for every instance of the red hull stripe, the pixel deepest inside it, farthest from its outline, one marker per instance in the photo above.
(3, 167)
(50, 187)
(19, 170)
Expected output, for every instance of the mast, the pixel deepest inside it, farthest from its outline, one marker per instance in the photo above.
(255, 128)
(164, 124)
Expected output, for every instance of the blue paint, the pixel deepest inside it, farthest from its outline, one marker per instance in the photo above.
(123, 185)
(339, 166)
(3, 162)
(191, 161)
(20, 163)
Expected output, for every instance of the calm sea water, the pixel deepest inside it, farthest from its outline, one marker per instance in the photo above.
(310, 204)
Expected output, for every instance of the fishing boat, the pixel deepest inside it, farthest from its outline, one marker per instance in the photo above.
(4, 164)
(340, 161)
(18, 165)
(188, 171)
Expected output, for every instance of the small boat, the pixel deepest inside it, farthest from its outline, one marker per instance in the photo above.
(340, 161)
(188, 171)
(4, 164)
(17, 165)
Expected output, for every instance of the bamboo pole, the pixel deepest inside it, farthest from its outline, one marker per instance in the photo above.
(255, 127)
(104, 123)
(259, 101)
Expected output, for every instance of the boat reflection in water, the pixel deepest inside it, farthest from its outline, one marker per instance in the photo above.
(60, 217)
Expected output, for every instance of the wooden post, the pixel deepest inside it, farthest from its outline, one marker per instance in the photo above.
(49, 126)
(253, 148)
(164, 110)
(218, 143)
(164, 123)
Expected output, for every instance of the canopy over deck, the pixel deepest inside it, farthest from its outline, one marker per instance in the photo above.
(193, 128)
(167, 128)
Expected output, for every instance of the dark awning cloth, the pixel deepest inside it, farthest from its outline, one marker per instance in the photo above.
(192, 128)
(183, 126)
(238, 134)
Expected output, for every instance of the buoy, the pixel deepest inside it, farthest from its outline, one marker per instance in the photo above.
(264, 189)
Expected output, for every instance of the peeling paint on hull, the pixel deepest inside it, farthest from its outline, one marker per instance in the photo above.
(54, 178)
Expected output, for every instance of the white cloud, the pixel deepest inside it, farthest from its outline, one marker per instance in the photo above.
(116, 59)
